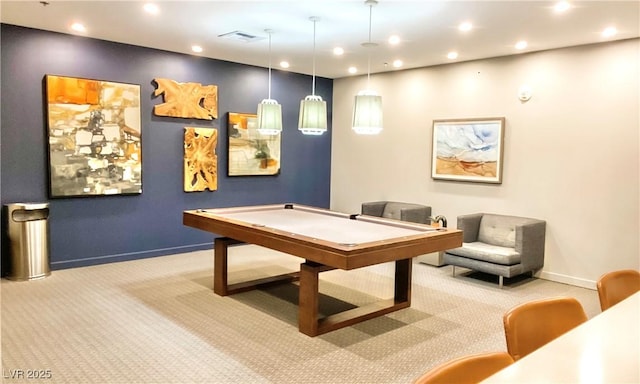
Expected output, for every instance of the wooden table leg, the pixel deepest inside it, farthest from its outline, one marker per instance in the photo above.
(220, 272)
(308, 299)
(220, 246)
(403, 281)
(309, 295)
(311, 325)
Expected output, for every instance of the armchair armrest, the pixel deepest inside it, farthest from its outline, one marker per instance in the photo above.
(470, 226)
(530, 240)
(374, 208)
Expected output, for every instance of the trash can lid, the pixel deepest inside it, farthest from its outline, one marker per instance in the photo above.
(29, 205)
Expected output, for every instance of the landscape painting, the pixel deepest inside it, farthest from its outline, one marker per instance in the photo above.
(468, 150)
(94, 136)
(251, 153)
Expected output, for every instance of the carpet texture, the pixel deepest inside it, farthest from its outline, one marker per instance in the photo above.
(158, 321)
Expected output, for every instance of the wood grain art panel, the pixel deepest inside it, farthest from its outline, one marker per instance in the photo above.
(186, 100)
(200, 159)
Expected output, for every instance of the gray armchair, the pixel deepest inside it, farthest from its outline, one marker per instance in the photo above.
(415, 213)
(502, 245)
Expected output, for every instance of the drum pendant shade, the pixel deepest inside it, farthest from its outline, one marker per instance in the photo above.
(313, 115)
(367, 113)
(269, 117)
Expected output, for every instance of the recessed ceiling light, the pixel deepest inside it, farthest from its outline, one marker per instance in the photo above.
(338, 51)
(452, 55)
(521, 44)
(151, 8)
(465, 27)
(561, 6)
(394, 39)
(196, 48)
(78, 27)
(609, 32)
(397, 63)
(353, 70)
(284, 64)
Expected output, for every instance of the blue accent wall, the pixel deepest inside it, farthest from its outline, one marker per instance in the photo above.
(94, 230)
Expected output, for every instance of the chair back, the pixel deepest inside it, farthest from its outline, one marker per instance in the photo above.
(530, 325)
(416, 213)
(615, 286)
(467, 370)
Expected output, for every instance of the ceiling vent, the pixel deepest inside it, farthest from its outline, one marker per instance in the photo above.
(241, 36)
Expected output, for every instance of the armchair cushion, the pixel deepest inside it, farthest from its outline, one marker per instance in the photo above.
(487, 252)
(498, 230)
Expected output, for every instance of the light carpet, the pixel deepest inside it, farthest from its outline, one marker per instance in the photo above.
(158, 321)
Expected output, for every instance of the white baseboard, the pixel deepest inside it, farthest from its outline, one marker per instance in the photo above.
(565, 279)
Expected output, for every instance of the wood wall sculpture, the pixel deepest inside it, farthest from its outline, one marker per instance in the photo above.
(200, 159)
(186, 100)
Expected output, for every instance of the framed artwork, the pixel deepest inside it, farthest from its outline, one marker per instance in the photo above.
(200, 159)
(251, 153)
(468, 150)
(94, 134)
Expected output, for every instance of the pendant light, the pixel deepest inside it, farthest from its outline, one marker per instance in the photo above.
(367, 110)
(313, 110)
(269, 111)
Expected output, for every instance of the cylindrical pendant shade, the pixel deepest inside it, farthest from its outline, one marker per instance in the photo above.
(269, 117)
(313, 115)
(367, 113)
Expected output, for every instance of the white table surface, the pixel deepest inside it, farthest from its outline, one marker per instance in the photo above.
(605, 349)
(323, 224)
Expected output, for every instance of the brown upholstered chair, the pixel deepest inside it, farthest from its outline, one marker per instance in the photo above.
(530, 325)
(469, 369)
(615, 286)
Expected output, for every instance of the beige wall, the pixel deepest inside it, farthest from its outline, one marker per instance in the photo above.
(571, 152)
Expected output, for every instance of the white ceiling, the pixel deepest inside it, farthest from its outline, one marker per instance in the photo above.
(428, 29)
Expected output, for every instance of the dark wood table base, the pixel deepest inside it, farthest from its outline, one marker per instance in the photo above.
(308, 301)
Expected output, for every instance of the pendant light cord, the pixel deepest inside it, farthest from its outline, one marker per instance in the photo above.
(313, 84)
(269, 65)
(369, 48)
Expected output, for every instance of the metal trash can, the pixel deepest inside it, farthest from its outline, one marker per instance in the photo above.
(28, 233)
